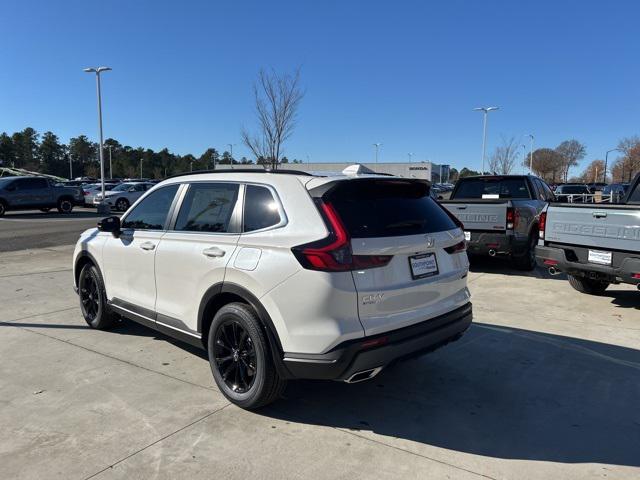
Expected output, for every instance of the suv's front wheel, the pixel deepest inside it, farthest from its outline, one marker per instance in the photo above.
(93, 299)
(240, 358)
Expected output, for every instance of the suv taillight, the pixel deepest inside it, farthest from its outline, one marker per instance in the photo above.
(542, 223)
(333, 253)
(511, 218)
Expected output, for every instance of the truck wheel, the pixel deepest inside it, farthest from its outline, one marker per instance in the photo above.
(526, 261)
(240, 359)
(93, 299)
(122, 205)
(3, 208)
(587, 285)
(65, 205)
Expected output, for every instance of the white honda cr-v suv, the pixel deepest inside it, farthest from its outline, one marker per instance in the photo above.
(282, 275)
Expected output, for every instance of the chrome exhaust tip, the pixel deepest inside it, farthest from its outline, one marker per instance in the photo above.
(492, 253)
(553, 271)
(363, 375)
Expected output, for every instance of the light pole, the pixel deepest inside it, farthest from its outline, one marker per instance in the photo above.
(485, 111)
(606, 161)
(70, 169)
(410, 156)
(110, 164)
(377, 145)
(98, 71)
(531, 159)
(524, 152)
(140, 168)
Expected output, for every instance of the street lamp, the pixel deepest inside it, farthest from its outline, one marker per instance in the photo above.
(485, 111)
(98, 71)
(140, 168)
(377, 145)
(410, 156)
(524, 152)
(531, 159)
(606, 161)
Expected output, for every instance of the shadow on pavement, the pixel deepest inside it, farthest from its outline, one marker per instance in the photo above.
(498, 392)
(502, 265)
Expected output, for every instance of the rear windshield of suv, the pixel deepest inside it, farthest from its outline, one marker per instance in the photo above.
(388, 208)
(475, 188)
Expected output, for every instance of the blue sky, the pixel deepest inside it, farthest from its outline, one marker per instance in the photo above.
(406, 74)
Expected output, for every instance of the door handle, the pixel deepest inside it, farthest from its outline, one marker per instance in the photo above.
(462, 208)
(599, 214)
(147, 246)
(213, 252)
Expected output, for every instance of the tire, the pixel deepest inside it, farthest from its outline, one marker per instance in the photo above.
(45, 210)
(122, 204)
(527, 261)
(93, 299)
(240, 358)
(587, 285)
(65, 205)
(3, 208)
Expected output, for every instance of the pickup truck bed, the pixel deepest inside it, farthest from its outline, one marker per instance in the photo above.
(596, 245)
(599, 243)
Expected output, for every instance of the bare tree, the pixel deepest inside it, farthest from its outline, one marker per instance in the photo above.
(547, 163)
(505, 156)
(277, 98)
(628, 165)
(593, 172)
(572, 151)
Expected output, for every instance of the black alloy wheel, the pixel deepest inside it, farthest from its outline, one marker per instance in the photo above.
(235, 356)
(90, 297)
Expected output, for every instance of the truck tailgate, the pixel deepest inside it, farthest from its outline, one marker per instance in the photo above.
(486, 215)
(608, 228)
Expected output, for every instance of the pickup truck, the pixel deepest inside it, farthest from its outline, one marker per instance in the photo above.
(30, 193)
(500, 214)
(594, 244)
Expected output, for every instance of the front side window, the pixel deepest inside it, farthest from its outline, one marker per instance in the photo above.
(260, 209)
(151, 213)
(207, 207)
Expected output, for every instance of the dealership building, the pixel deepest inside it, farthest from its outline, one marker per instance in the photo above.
(425, 170)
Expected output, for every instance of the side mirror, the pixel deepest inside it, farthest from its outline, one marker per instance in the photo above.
(110, 224)
(132, 189)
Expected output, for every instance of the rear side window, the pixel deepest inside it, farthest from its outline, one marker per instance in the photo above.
(260, 209)
(635, 196)
(32, 183)
(207, 207)
(475, 188)
(151, 213)
(388, 208)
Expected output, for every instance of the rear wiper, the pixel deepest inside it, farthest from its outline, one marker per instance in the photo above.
(405, 224)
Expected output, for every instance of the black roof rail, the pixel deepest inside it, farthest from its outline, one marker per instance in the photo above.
(244, 170)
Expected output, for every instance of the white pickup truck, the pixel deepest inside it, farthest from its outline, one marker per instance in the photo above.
(595, 244)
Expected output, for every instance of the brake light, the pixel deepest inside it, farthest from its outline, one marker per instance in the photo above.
(542, 224)
(333, 254)
(457, 248)
(85, 192)
(511, 218)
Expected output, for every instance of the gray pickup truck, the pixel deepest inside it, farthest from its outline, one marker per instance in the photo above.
(31, 193)
(594, 244)
(500, 214)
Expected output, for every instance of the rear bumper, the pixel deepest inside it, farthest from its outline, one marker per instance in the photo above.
(573, 261)
(505, 243)
(351, 357)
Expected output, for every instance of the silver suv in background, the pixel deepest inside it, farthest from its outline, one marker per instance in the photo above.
(282, 275)
(122, 196)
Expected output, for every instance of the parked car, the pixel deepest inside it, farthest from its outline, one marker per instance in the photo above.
(282, 275)
(596, 245)
(573, 193)
(32, 193)
(615, 191)
(123, 195)
(91, 190)
(500, 215)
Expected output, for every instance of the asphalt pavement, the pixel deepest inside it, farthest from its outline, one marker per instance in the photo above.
(34, 229)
